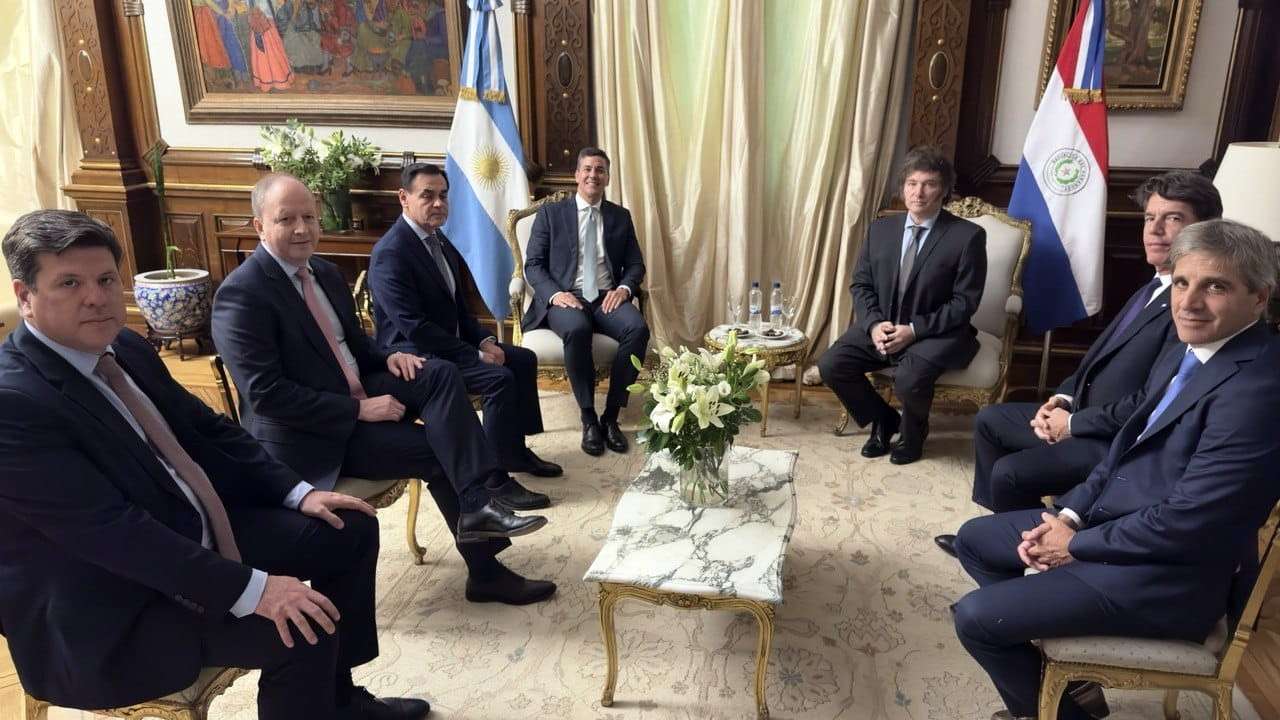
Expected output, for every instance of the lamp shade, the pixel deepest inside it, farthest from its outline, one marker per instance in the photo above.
(1249, 181)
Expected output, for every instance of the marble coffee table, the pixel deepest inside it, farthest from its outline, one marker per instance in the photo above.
(666, 552)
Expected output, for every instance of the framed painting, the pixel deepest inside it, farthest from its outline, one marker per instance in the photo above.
(1148, 54)
(332, 62)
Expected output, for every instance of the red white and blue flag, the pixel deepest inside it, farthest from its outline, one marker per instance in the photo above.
(1062, 181)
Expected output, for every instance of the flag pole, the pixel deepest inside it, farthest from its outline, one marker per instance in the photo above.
(1045, 345)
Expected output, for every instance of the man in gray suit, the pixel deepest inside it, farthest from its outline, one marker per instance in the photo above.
(915, 288)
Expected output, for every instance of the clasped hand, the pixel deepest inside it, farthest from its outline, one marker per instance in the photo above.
(889, 338)
(1052, 422)
(1045, 546)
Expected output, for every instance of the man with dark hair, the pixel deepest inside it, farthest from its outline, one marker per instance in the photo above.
(324, 400)
(585, 265)
(1152, 543)
(915, 287)
(143, 536)
(1023, 451)
(418, 280)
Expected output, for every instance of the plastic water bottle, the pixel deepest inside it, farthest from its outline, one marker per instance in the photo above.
(775, 307)
(755, 299)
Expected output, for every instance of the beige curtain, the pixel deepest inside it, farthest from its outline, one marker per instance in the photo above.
(39, 145)
(750, 141)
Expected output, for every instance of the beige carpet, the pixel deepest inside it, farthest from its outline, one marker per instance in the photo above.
(863, 632)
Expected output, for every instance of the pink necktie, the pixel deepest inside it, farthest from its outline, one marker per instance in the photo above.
(164, 443)
(326, 327)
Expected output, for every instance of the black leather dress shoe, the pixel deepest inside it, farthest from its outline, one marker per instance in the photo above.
(614, 437)
(592, 439)
(1090, 699)
(534, 465)
(509, 588)
(904, 454)
(364, 706)
(495, 521)
(882, 431)
(947, 543)
(514, 496)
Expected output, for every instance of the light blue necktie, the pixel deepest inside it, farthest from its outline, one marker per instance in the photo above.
(1190, 364)
(590, 256)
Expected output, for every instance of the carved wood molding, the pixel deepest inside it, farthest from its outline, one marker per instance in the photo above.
(553, 48)
(937, 78)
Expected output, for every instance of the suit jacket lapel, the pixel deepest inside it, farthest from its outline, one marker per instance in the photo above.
(288, 297)
(454, 259)
(571, 259)
(1154, 309)
(78, 389)
(1224, 363)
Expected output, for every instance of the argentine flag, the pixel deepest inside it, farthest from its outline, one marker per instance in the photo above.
(1062, 181)
(484, 161)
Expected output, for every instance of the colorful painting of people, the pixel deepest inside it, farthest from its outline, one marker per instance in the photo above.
(344, 47)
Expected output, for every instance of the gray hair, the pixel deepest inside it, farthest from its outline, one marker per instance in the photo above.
(53, 231)
(264, 186)
(1247, 250)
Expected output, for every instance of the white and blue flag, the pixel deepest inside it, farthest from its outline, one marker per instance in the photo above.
(484, 161)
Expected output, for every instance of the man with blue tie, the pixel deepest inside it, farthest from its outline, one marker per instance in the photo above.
(585, 265)
(1024, 451)
(1152, 542)
(142, 535)
(915, 288)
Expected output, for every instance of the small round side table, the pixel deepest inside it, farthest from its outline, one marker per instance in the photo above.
(790, 348)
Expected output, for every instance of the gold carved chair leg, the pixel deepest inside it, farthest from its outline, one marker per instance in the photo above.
(411, 528)
(843, 422)
(764, 408)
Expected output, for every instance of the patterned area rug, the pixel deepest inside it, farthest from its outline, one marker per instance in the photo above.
(863, 631)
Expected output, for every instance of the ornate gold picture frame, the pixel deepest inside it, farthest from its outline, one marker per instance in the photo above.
(1148, 55)
(333, 62)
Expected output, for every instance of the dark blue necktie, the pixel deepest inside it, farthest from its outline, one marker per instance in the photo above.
(1190, 364)
(1136, 305)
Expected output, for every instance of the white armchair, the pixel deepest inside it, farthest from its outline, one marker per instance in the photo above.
(546, 344)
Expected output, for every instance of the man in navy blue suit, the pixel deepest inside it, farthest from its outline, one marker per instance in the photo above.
(1023, 451)
(324, 400)
(1150, 544)
(418, 280)
(143, 536)
(585, 265)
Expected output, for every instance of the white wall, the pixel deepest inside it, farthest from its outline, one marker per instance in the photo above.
(175, 130)
(1182, 138)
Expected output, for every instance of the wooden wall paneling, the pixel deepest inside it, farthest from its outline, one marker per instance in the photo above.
(553, 72)
(938, 72)
(975, 126)
(1251, 104)
(104, 47)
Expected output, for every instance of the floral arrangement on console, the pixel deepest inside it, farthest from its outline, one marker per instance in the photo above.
(327, 166)
(693, 409)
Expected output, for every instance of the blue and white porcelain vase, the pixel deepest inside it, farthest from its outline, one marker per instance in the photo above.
(179, 304)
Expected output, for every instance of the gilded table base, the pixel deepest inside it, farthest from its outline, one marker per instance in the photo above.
(611, 593)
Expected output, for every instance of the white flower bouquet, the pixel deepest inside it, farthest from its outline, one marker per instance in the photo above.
(695, 406)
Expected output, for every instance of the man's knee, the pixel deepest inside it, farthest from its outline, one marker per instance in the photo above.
(438, 372)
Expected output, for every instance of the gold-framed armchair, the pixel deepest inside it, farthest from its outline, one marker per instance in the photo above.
(986, 379)
(542, 341)
(1169, 665)
(191, 703)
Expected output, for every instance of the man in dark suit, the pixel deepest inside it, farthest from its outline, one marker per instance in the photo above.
(143, 536)
(325, 401)
(417, 278)
(1023, 451)
(915, 287)
(585, 265)
(1150, 544)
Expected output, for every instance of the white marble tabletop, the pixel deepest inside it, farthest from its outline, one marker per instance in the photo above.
(658, 541)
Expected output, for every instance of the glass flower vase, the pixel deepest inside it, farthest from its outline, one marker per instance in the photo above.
(706, 482)
(335, 209)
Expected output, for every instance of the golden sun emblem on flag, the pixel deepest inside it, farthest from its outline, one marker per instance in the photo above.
(490, 168)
